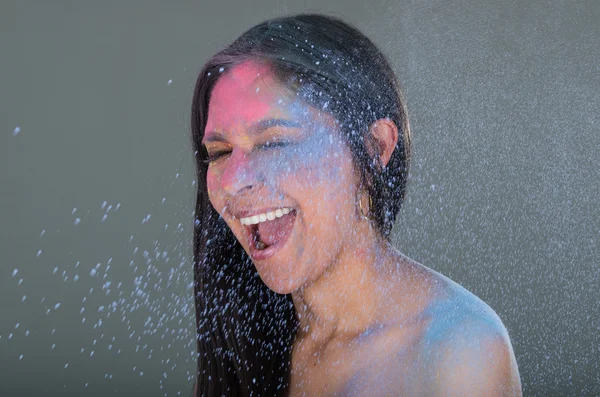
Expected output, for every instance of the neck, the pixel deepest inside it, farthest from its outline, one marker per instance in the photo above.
(347, 298)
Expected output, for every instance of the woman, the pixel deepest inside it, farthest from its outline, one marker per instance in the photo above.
(302, 149)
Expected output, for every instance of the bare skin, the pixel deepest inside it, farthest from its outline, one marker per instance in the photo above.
(372, 321)
(328, 356)
(399, 352)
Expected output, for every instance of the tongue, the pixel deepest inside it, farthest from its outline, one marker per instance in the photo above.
(270, 232)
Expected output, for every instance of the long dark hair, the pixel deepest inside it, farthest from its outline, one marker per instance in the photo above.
(245, 331)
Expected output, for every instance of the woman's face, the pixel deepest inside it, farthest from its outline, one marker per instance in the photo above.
(277, 161)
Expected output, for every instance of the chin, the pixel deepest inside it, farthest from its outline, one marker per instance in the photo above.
(278, 283)
(281, 289)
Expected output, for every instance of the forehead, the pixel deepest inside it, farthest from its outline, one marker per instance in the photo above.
(247, 93)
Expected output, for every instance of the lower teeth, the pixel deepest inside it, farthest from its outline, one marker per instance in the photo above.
(260, 245)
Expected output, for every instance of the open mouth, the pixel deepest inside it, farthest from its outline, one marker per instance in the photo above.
(268, 232)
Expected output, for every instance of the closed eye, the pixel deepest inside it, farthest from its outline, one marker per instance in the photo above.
(274, 144)
(212, 157)
(216, 156)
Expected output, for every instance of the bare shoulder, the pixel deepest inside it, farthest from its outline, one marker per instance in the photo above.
(465, 349)
(460, 347)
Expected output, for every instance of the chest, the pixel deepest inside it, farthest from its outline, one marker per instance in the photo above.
(355, 366)
(323, 373)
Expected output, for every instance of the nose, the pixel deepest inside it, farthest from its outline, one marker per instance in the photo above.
(239, 173)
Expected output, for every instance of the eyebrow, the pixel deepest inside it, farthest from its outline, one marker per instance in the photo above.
(256, 129)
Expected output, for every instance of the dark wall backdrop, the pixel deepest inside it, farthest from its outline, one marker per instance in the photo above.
(98, 184)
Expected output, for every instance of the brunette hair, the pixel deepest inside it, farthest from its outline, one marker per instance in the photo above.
(245, 331)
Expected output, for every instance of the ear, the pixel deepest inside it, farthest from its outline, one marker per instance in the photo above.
(383, 139)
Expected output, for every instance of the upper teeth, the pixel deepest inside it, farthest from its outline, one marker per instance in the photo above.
(269, 216)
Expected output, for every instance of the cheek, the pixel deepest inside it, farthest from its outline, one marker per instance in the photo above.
(312, 163)
(212, 185)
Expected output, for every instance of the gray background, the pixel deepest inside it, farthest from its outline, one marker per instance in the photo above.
(503, 196)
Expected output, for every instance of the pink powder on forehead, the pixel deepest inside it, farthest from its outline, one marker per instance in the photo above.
(243, 95)
(247, 72)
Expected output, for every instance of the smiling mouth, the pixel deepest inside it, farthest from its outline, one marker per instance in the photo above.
(268, 232)
(267, 216)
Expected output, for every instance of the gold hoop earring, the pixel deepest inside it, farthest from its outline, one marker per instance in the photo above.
(368, 210)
